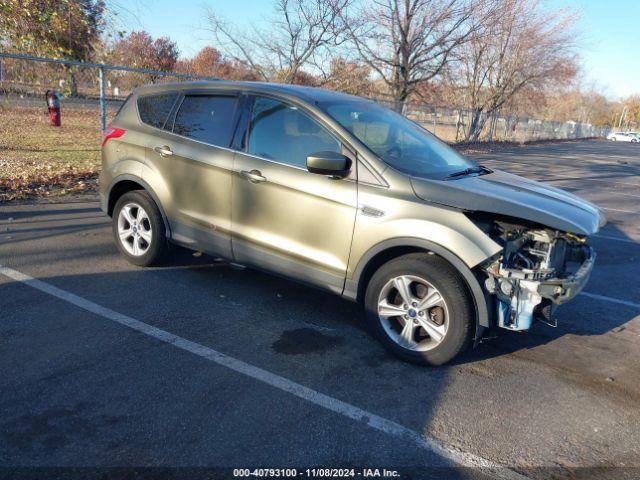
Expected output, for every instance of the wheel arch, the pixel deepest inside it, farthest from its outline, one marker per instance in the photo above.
(385, 251)
(128, 183)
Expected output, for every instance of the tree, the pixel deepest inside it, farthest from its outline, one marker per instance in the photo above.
(209, 62)
(67, 28)
(409, 42)
(54, 28)
(632, 117)
(350, 77)
(139, 50)
(519, 47)
(578, 103)
(299, 31)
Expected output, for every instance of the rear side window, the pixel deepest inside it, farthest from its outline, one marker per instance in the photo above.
(154, 109)
(206, 118)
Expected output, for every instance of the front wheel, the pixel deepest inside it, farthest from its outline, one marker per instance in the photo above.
(420, 309)
(138, 229)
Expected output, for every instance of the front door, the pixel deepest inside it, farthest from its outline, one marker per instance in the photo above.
(284, 218)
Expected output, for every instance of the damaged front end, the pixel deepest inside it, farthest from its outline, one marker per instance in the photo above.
(538, 269)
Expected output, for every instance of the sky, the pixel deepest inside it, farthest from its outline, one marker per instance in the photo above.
(609, 33)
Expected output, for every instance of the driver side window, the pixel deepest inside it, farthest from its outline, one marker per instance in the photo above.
(284, 133)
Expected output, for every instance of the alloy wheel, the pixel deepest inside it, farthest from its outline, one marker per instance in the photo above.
(134, 229)
(413, 313)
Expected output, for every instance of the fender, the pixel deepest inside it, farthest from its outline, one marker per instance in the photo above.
(147, 188)
(352, 285)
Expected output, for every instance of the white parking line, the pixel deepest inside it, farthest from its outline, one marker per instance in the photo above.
(325, 401)
(604, 298)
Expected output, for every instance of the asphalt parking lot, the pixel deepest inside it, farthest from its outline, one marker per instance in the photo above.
(201, 364)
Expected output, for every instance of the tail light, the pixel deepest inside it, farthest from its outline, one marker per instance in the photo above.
(110, 133)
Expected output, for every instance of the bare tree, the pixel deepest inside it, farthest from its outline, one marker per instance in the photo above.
(409, 42)
(299, 30)
(348, 76)
(520, 46)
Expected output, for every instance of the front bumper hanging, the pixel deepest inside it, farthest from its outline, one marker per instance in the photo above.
(561, 290)
(534, 298)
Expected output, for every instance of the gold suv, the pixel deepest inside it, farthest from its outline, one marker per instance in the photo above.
(343, 194)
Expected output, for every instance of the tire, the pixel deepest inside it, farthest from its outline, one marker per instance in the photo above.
(453, 318)
(136, 213)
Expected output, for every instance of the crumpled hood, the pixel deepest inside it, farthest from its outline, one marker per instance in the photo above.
(506, 194)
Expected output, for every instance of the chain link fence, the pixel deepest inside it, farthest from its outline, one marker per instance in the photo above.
(452, 124)
(92, 87)
(38, 160)
(98, 90)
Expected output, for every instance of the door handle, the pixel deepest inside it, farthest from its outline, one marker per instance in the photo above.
(254, 176)
(163, 150)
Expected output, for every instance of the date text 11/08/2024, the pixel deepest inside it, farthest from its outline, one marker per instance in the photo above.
(316, 472)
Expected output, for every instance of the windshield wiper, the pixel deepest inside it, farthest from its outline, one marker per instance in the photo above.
(479, 169)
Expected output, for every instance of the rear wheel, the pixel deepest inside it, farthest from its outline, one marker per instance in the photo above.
(419, 308)
(138, 229)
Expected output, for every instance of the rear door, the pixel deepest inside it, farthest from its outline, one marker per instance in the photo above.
(196, 162)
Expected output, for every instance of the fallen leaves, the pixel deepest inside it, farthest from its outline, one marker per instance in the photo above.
(37, 160)
(43, 185)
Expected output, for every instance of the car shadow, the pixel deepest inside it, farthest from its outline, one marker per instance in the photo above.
(497, 342)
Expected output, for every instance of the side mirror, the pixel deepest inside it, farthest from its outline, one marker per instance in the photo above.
(329, 163)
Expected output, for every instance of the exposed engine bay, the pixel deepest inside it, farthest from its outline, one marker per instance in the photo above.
(538, 269)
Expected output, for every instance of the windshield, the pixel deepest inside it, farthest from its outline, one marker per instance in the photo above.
(398, 141)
